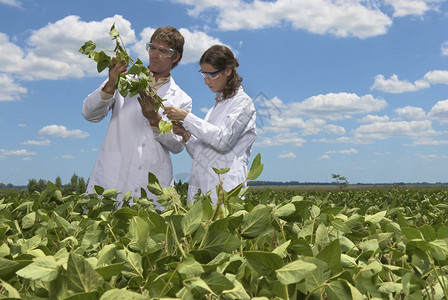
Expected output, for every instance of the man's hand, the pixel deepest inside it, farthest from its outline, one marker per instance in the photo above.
(147, 104)
(114, 70)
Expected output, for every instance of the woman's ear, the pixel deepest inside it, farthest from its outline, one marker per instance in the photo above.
(228, 72)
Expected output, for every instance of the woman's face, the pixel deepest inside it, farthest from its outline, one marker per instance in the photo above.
(215, 79)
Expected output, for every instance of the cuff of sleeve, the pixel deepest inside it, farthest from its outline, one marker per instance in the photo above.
(156, 130)
(106, 96)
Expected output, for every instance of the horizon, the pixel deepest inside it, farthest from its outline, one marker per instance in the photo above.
(358, 88)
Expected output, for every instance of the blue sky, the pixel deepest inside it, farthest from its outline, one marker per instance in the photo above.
(357, 88)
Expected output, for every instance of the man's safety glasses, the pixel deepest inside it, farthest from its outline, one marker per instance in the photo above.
(161, 51)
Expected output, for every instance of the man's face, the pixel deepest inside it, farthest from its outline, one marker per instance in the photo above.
(161, 58)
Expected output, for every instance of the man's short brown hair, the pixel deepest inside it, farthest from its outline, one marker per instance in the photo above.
(172, 37)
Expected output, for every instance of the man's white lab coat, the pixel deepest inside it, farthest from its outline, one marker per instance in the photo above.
(130, 149)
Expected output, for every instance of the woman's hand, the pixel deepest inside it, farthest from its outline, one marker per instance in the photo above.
(179, 129)
(175, 114)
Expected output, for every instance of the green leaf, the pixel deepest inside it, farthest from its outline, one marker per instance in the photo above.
(88, 47)
(83, 296)
(294, 272)
(376, 218)
(102, 60)
(132, 263)
(284, 210)
(125, 213)
(113, 31)
(217, 282)
(138, 233)
(190, 267)
(123, 85)
(255, 222)
(81, 276)
(198, 285)
(217, 241)
(43, 268)
(165, 127)
(340, 225)
(28, 220)
(264, 263)
(332, 256)
(116, 294)
(338, 289)
(238, 292)
(192, 218)
(107, 272)
(154, 185)
(137, 68)
(256, 168)
(11, 291)
(221, 171)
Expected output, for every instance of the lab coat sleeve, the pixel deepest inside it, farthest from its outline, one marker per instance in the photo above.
(190, 145)
(222, 138)
(94, 109)
(171, 141)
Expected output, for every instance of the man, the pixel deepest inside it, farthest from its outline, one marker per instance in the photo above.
(133, 145)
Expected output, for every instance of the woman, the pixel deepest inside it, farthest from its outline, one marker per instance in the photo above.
(225, 137)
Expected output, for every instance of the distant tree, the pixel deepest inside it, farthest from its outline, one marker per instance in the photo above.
(82, 185)
(58, 183)
(32, 185)
(41, 185)
(341, 181)
(77, 184)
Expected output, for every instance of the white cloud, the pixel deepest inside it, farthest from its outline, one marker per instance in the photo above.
(52, 51)
(46, 142)
(280, 139)
(339, 18)
(429, 142)
(67, 156)
(394, 85)
(334, 129)
(385, 130)
(436, 76)
(196, 42)
(373, 119)
(63, 132)
(325, 156)
(347, 151)
(439, 111)
(444, 49)
(14, 3)
(287, 155)
(337, 106)
(411, 112)
(412, 7)
(22, 152)
(10, 90)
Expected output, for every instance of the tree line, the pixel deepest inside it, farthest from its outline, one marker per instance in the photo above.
(76, 184)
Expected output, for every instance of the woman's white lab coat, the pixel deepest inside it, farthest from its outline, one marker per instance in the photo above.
(130, 149)
(222, 140)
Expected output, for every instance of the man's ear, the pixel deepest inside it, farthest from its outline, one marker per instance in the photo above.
(176, 58)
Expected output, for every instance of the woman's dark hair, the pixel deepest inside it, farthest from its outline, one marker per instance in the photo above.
(172, 37)
(221, 57)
